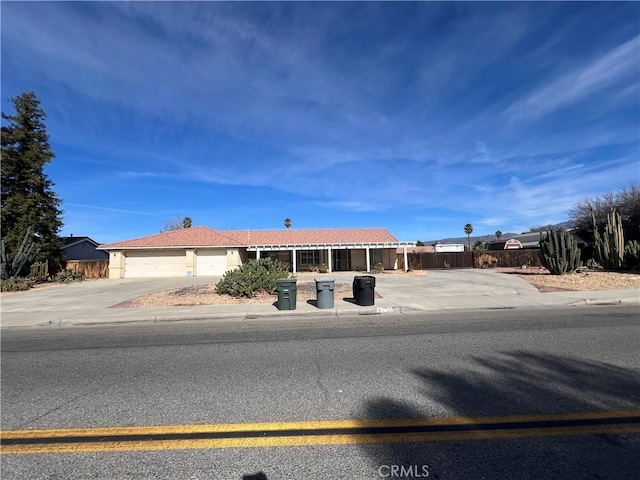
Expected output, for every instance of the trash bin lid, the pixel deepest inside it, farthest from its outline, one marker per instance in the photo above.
(286, 280)
(324, 279)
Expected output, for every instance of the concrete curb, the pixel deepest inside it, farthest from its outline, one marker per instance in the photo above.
(324, 313)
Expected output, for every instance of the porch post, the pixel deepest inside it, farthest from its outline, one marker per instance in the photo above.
(329, 259)
(404, 254)
(257, 254)
(368, 261)
(293, 260)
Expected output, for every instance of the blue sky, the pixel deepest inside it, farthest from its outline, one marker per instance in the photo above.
(418, 117)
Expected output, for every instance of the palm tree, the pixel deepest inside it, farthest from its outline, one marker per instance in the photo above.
(287, 222)
(186, 222)
(468, 229)
(498, 234)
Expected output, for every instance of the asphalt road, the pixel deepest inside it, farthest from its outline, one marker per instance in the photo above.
(502, 364)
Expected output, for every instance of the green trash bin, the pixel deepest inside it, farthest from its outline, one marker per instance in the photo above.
(287, 292)
(324, 289)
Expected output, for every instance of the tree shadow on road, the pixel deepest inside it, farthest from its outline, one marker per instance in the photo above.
(518, 382)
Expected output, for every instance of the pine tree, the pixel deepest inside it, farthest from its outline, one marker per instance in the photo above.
(27, 197)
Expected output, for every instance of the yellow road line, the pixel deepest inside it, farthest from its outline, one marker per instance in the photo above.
(313, 425)
(104, 445)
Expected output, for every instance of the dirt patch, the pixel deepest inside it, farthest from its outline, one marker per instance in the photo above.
(206, 295)
(580, 281)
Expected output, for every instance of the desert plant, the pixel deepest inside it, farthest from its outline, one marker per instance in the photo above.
(559, 252)
(632, 255)
(252, 277)
(16, 284)
(378, 267)
(13, 266)
(68, 276)
(609, 246)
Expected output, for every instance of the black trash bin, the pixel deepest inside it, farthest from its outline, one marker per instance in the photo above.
(364, 290)
(287, 293)
(324, 289)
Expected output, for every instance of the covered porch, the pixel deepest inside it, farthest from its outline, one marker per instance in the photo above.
(338, 257)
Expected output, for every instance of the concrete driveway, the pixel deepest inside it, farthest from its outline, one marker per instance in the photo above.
(94, 294)
(397, 288)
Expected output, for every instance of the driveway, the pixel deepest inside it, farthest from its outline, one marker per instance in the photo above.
(397, 288)
(94, 294)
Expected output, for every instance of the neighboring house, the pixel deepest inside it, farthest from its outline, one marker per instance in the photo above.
(448, 247)
(524, 240)
(202, 251)
(528, 240)
(81, 248)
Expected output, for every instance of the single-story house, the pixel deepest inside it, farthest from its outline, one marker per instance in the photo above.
(202, 251)
(81, 248)
(524, 240)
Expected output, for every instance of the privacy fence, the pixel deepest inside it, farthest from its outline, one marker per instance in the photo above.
(475, 259)
(88, 268)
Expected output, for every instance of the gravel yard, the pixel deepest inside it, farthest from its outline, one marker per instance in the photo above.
(206, 295)
(306, 288)
(586, 280)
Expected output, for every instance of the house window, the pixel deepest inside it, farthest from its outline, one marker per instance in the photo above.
(309, 257)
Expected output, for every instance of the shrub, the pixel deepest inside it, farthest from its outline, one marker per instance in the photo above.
(68, 276)
(254, 276)
(16, 284)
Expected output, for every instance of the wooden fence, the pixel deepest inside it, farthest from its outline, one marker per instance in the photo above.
(475, 259)
(88, 268)
(40, 271)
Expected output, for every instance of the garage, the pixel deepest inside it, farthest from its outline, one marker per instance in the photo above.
(211, 262)
(157, 263)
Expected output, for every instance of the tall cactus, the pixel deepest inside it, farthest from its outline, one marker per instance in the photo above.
(26, 254)
(559, 252)
(632, 255)
(609, 246)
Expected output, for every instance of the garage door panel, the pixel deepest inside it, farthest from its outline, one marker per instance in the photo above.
(148, 264)
(211, 262)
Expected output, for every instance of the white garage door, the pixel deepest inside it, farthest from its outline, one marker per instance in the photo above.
(211, 262)
(155, 263)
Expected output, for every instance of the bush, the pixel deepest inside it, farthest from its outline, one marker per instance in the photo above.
(68, 276)
(16, 284)
(254, 276)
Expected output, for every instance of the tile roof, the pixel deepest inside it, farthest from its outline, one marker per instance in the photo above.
(184, 237)
(207, 237)
(326, 236)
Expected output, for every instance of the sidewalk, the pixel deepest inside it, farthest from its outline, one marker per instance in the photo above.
(440, 291)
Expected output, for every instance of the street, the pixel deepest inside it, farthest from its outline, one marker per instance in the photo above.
(559, 372)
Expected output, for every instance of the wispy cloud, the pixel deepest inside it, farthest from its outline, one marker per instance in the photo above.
(620, 66)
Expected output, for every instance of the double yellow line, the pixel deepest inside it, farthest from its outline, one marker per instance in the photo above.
(317, 433)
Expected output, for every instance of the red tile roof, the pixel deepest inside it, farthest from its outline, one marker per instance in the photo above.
(184, 237)
(310, 237)
(207, 237)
